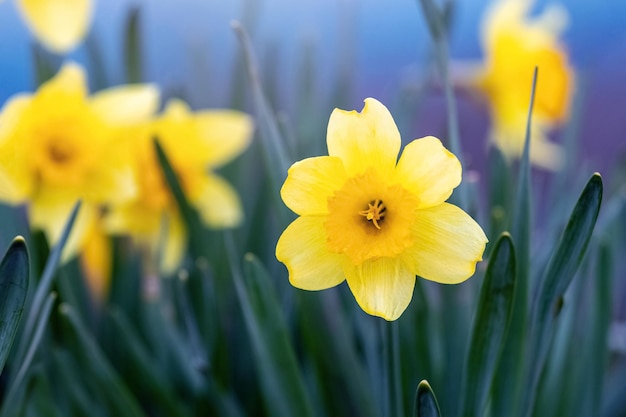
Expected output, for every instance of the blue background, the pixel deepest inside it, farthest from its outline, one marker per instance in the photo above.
(383, 44)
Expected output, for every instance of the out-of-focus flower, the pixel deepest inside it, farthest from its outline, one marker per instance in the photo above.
(195, 143)
(514, 44)
(59, 145)
(58, 24)
(96, 260)
(375, 222)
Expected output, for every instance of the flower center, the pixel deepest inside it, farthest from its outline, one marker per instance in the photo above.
(375, 212)
(60, 152)
(380, 228)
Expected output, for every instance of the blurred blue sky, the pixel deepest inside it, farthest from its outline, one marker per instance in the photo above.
(385, 43)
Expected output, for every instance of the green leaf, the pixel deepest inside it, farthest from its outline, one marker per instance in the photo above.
(490, 324)
(434, 18)
(45, 282)
(280, 379)
(560, 271)
(329, 341)
(132, 46)
(142, 369)
(119, 396)
(195, 228)
(522, 219)
(569, 253)
(274, 146)
(425, 401)
(599, 322)
(499, 194)
(14, 270)
(12, 399)
(508, 375)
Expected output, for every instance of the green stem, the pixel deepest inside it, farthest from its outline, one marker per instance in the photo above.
(391, 354)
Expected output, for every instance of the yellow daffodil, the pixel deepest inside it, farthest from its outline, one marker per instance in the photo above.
(195, 143)
(58, 24)
(514, 44)
(374, 220)
(59, 145)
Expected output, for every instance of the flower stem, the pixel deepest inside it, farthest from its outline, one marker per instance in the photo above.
(391, 359)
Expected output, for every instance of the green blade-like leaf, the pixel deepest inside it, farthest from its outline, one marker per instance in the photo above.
(119, 396)
(47, 277)
(570, 249)
(12, 399)
(508, 375)
(434, 18)
(14, 270)
(329, 340)
(132, 47)
(195, 229)
(280, 378)
(425, 401)
(143, 369)
(490, 324)
(560, 271)
(273, 145)
(499, 195)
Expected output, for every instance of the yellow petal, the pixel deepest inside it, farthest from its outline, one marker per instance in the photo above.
(126, 104)
(71, 80)
(448, 245)
(429, 170)
(133, 219)
(224, 134)
(543, 153)
(369, 139)
(311, 182)
(383, 287)
(58, 24)
(96, 260)
(207, 138)
(16, 180)
(302, 248)
(216, 201)
(174, 243)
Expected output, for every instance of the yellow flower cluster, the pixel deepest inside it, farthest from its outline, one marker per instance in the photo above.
(60, 145)
(514, 44)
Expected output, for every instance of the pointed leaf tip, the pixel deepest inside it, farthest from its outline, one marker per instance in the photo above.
(425, 401)
(14, 271)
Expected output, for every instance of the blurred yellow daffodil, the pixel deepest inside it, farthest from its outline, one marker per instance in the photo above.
(195, 143)
(59, 145)
(375, 222)
(58, 24)
(514, 44)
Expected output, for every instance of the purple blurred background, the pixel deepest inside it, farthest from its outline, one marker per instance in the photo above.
(383, 44)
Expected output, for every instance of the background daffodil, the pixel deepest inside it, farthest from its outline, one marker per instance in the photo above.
(514, 44)
(59, 145)
(195, 143)
(375, 222)
(58, 24)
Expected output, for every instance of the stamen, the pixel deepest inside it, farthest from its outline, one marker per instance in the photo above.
(375, 212)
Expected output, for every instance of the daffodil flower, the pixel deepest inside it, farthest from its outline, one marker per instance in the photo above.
(59, 145)
(514, 44)
(195, 143)
(374, 220)
(58, 24)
